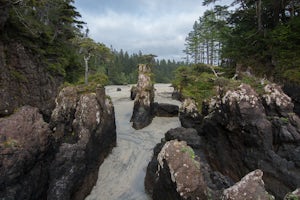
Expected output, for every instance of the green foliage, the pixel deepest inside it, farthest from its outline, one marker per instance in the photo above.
(197, 82)
(261, 34)
(255, 83)
(95, 80)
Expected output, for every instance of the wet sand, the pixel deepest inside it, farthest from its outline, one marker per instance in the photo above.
(121, 176)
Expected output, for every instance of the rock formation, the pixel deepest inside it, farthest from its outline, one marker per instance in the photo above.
(143, 104)
(25, 155)
(85, 126)
(25, 81)
(245, 131)
(177, 171)
(239, 132)
(293, 90)
(165, 110)
(37, 163)
(250, 187)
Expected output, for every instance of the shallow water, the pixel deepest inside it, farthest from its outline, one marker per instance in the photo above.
(121, 176)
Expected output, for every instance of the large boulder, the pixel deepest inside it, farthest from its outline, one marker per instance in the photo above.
(143, 110)
(84, 124)
(178, 174)
(25, 154)
(165, 110)
(249, 188)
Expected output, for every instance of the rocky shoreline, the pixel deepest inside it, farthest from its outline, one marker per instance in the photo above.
(241, 136)
(59, 160)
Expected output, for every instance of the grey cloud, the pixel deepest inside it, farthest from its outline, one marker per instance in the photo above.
(157, 26)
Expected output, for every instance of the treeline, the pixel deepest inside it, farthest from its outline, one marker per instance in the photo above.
(261, 34)
(53, 32)
(123, 68)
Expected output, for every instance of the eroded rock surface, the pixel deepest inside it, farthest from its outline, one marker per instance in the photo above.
(25, 154)
(249, 188)
(239, 132)
(85, 126)
(143, 110)
(165, 110)
(178, 174)
(37, 163)
(25, 81)
(189, 115)
(245, 131)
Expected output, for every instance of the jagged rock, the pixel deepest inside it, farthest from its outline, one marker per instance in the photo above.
(119, 89)
(133, 92)
(189, 115)
(165, 110)
(293, 90)
(178, 174)
(239, 136)
(160, 184)
(25, 81)
(276, 101)
(25, 155)
(295, 195)
(249, 188)
(90, 119)
(143, 110)
(189, 135)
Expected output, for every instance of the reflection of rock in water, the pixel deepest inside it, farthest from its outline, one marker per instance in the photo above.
(121, 176)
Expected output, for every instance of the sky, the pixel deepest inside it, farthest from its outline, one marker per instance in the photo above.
(156, 27)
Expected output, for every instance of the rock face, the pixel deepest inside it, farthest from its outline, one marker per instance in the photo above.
(85, 125)
(244, 131)
(25, 155)
(189, 115)
(293, 90)
(143, 104)
(177, 171)
(239, 132)
(250, 187)
(36, 163)
(165, 110)
(177, 176)
(25, 81)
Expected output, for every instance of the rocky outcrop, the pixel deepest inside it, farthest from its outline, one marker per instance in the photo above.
(244, 131)
(189, 115)
(25, 81)
(250, 187)
(37, 163)
(174, 174)
(85, 126)
(239, 132)
(293, 90)
(178, 171)
(165, 110)
(26, 151)
(143, 104)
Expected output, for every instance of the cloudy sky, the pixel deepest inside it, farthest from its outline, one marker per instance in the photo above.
(152, 26)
